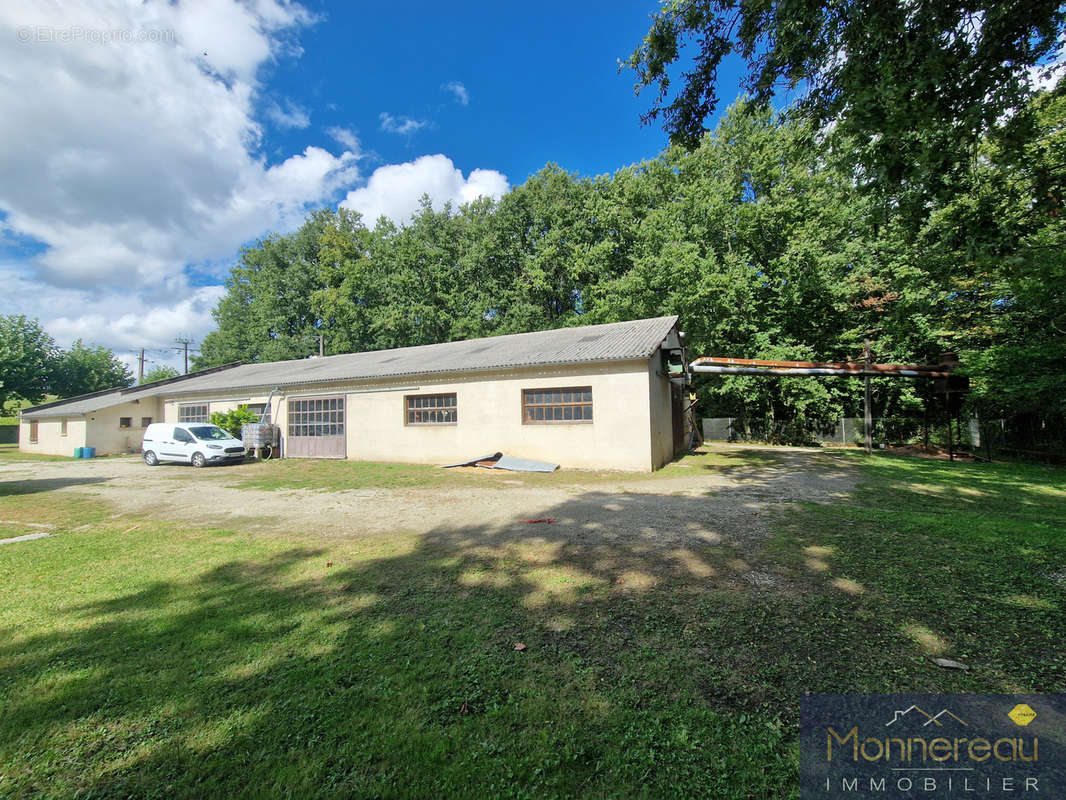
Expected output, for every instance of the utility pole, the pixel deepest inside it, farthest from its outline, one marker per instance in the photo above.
(867, 415)
(140, 368)
(321, 350)
(185, 343)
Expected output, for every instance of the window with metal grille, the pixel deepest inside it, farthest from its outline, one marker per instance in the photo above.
(316, 416)
(125, 422)
(146, 421)
(191, 412)
(572, 404)
(431, 409)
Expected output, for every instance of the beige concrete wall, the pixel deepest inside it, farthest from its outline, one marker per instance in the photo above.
(219, 405)
(661, 419)
(490, 417)
(50, 440)
(105, 434)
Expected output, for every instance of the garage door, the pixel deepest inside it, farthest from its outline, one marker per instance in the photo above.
(316, 428)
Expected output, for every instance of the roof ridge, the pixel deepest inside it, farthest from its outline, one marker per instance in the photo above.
(492, 338)
(127, 389)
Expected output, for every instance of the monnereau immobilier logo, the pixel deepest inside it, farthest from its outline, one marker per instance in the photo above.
(933, 746)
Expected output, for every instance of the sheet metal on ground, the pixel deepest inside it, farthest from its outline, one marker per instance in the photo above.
(500, 461)
(524, 465)
(473, 461)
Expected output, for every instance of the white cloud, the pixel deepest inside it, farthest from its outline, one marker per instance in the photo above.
(345, 137)
(124, 321)
(394, 190)
(292, 117)
(402, 125)
(132, 161)
(144, 156)
(462, 96)
(1046, 76)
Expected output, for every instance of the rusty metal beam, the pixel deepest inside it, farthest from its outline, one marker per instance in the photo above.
(754, 366)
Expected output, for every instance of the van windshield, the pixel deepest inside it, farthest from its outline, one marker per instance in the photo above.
(208, 432)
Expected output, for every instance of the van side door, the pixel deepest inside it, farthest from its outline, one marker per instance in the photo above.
(166, 449)
(184, 444)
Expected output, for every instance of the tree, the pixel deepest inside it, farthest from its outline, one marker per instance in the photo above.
(27, 359)
(267, 313)
(917, 84)
(160, 373)
(83, 369)
(232, 421)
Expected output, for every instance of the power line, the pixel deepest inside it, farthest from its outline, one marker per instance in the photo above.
(185, 342)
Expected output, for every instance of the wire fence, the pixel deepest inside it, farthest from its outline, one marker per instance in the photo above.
(986, 439)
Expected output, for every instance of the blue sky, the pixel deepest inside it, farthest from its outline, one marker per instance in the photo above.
(542, 80)
(144, 142)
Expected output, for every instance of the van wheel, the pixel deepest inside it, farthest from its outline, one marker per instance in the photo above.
(198, 460)
(151, 459)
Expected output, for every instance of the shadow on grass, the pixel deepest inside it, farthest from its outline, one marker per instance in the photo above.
(1005, 489)
(663, 659)
(37, 485)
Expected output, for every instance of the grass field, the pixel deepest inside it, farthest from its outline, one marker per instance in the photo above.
(139, 659)
(11, 452)
(337, 475)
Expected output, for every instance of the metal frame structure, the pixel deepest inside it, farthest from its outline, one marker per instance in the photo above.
(947, 382)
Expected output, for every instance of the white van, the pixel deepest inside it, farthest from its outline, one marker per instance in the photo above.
(196, 443)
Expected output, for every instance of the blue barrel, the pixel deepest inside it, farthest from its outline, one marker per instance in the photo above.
(78, 452)
(88, 452)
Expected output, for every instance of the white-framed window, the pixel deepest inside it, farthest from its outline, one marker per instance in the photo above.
(192, 412)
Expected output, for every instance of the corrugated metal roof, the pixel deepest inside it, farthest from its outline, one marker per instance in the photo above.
(616, 341)
(77, 406)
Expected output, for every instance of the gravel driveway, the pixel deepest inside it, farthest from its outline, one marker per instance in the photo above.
(727, 506)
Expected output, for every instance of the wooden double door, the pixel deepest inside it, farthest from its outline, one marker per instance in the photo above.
(315, 427)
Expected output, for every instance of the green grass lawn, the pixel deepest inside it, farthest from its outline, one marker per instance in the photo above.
(338, 475)
(139, 659)
(11, 452)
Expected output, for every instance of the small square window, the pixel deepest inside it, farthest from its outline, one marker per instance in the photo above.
(146, 421)
(125, 422)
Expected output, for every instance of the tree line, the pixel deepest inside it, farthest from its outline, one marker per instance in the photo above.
(765, 239)
(32, 367)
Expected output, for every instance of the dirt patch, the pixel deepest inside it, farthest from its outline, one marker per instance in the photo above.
(731, 509)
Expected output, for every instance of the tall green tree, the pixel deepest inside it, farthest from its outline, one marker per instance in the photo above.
(267, 312)
(27, 359)
(918, 84)
(160, 373)
(766, 241)
(88, 368)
